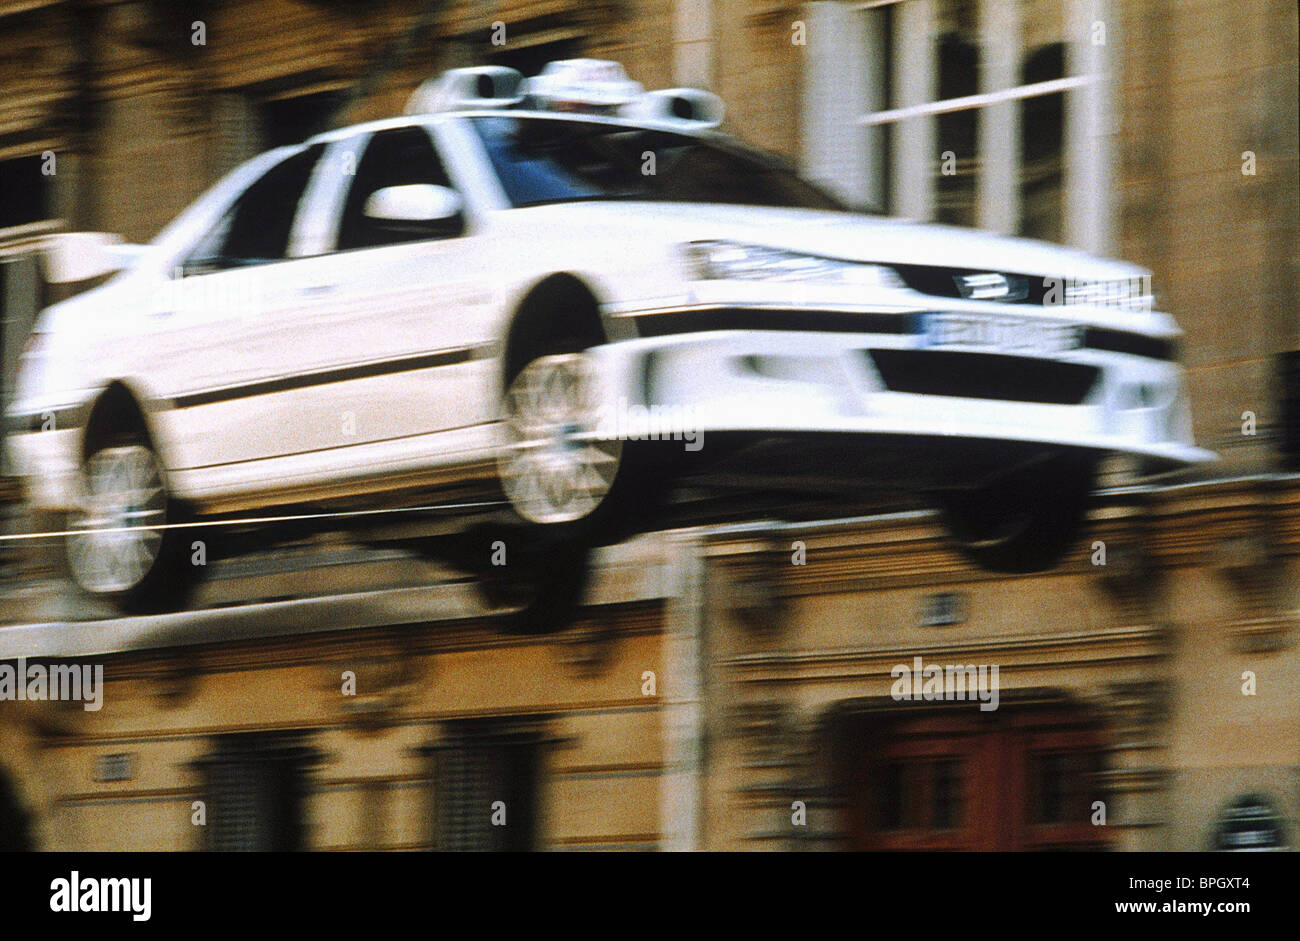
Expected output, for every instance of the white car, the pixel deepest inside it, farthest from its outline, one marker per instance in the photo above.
(586, 307)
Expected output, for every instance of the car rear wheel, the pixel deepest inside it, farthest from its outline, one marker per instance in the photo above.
(1025, 521)
(116, 548)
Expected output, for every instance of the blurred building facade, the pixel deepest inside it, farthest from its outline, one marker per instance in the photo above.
(733, 688)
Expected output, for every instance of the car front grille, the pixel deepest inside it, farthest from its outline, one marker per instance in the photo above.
(984, 376)
(1105, 339)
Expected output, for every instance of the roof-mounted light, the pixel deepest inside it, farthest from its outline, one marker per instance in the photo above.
(481, 86)
(676, 105)
(584, 86)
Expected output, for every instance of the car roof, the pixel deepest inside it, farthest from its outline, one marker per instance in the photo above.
(430, 118)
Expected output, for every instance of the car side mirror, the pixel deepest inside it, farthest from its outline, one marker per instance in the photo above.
(414, 207)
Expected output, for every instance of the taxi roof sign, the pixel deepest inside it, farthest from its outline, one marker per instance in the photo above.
(577, 83)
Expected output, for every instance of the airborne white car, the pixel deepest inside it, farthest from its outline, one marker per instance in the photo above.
(578, 309)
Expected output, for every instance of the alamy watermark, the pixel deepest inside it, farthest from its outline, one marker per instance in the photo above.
(631, 421)
(951, 683)
(234, 292)
(66, 682)
(88, 894)
(1135, 293)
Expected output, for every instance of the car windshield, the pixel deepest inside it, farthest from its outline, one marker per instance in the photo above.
(544, 160)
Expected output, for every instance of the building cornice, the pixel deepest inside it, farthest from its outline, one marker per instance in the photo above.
(1113, 646)
(1175, 526)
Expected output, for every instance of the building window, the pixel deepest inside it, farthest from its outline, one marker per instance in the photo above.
(255, 789)
(956, 165)
(529, 56)
(894, 798)
(920, 796)
(23, 292)
(26, 195)
(988, 113)
(15, 828)
(945, 794)
(487, 778)
(1042, 139)
(295, 118)
(1063, 786)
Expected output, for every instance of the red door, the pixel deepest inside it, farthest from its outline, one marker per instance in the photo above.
(1008, 780)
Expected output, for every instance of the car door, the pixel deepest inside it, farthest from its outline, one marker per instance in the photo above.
(400, 309)
(222, 335)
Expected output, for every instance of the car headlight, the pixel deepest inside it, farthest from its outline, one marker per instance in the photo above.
(737, 261)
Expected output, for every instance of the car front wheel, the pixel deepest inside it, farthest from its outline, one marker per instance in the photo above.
(554, 469)
(1025, 521)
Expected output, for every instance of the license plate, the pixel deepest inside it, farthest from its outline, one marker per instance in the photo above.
(1001, 333)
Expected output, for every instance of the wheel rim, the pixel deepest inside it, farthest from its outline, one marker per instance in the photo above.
(550, 472)
(123, 498)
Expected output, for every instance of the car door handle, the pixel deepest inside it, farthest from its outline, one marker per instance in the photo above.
(315, 290)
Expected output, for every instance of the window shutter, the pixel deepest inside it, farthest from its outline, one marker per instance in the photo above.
(255, 789)
(478, 763)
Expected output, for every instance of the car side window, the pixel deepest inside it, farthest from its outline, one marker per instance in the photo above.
(256, 228)
(399, 157)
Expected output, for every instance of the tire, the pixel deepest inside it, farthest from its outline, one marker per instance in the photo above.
(545, 593)
(111, 552)
(1026, 521)
(534, 578)
(589, 491)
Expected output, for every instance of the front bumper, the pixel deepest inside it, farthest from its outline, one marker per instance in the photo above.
(682, 386)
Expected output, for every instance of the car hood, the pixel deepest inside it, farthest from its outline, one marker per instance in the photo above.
(844, 235)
